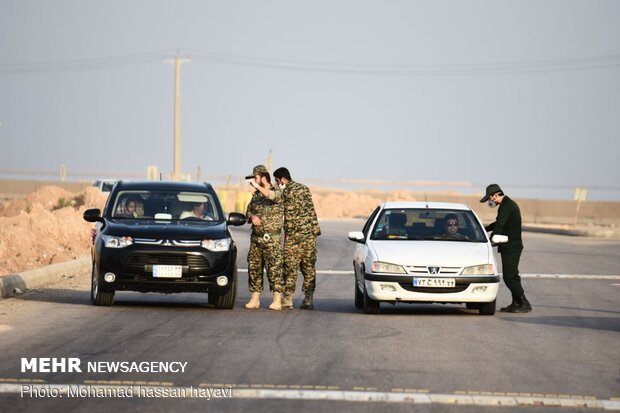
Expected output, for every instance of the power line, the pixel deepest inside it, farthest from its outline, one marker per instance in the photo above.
(82, 64)
(574, 63)
(448, 69)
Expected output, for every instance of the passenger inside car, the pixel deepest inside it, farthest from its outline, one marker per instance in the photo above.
(396, 225)
(130, 207)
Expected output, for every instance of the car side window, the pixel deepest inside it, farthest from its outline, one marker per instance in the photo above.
(369, 222)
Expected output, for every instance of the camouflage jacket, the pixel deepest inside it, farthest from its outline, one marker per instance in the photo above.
(299, 214)
(269, 210)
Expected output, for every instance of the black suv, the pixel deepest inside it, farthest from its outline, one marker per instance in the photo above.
(164, 237)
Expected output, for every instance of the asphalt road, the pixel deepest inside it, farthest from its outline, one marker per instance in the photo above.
(564, 353)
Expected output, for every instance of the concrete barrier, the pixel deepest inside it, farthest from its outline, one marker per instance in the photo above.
(39, 277)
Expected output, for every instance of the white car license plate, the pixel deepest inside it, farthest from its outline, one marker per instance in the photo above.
(434, 282)
(167, 271)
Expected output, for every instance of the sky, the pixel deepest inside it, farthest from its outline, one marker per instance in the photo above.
(524, 93)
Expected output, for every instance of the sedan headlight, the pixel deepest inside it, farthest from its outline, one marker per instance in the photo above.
(216, 245)
(378, 266)
(485, 269)
(111, 241)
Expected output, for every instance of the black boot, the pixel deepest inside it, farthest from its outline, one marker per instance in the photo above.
(511, 307)
(523, 306)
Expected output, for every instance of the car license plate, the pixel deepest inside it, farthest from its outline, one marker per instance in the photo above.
(434, 282)
(167, 271)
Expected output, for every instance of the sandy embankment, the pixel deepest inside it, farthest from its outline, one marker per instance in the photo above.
(47, 227)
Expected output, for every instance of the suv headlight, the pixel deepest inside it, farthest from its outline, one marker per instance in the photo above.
(485, 269)
(111, 241)
(216, 245)
(378, 266)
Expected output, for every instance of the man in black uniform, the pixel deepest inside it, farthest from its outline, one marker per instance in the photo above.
(508, 222)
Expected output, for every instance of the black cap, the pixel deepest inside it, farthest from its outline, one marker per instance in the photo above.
(491, 189)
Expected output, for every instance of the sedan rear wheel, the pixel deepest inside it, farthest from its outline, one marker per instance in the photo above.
(370, 306)
(98, 297)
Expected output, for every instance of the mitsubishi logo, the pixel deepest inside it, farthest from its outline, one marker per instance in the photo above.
(167, 243)
(433, 270)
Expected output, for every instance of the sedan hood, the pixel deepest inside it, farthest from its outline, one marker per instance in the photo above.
(172, 230)
(441, 253)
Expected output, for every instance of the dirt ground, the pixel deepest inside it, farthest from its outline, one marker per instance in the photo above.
(47, 227)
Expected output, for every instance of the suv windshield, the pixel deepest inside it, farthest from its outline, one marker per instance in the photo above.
(165, 205)
(428, 224)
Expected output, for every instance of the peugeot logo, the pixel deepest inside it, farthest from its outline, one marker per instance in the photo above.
(433, 270)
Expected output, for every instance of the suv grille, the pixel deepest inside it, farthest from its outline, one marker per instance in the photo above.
(192, 261)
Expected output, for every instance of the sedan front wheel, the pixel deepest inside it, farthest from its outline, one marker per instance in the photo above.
(370, 306)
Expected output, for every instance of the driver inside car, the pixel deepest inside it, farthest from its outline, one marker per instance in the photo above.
(198, 211)
(451, 224)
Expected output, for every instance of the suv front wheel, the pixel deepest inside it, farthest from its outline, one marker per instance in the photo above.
(226, 300)
(98, 297)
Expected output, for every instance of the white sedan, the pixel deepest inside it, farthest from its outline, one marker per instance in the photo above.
(426, 253)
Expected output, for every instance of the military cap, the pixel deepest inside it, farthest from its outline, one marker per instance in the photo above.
(258, 169)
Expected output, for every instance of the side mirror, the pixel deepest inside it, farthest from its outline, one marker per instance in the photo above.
(499, 239)
(236, 219)
(357, 236)
(93, 215)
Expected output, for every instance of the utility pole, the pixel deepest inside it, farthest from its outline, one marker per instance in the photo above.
(176, 165)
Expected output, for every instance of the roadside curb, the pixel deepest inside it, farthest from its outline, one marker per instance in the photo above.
(596, 233)
(41, 276)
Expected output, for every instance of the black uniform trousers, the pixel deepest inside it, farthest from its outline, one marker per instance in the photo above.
(510, 270)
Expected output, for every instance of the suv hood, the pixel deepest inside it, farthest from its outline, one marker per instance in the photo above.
(177, 230)
(442, 253)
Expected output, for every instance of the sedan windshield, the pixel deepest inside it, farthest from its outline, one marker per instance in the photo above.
(169, 205)
(428, 224)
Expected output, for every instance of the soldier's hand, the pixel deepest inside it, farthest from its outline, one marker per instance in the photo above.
(256, 221)
(254, 184)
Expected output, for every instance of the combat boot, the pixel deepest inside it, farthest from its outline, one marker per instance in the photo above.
(523, 306)
(254, 301)
(287, 301)
(511, 307)
(307, 304)
(277, 302)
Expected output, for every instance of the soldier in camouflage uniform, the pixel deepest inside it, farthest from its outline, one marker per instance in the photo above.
(301, 227)
(265, 213)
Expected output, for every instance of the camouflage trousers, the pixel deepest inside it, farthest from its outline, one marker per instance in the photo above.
(265, 254)
(300, 253)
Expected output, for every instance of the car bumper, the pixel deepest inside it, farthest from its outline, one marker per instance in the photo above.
(478, 289)
(133, 270)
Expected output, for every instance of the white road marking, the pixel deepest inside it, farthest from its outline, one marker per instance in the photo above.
(499, 400)
(551, 276)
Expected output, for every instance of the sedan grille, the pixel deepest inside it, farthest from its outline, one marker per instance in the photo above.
(422, 269)
(434, 290)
